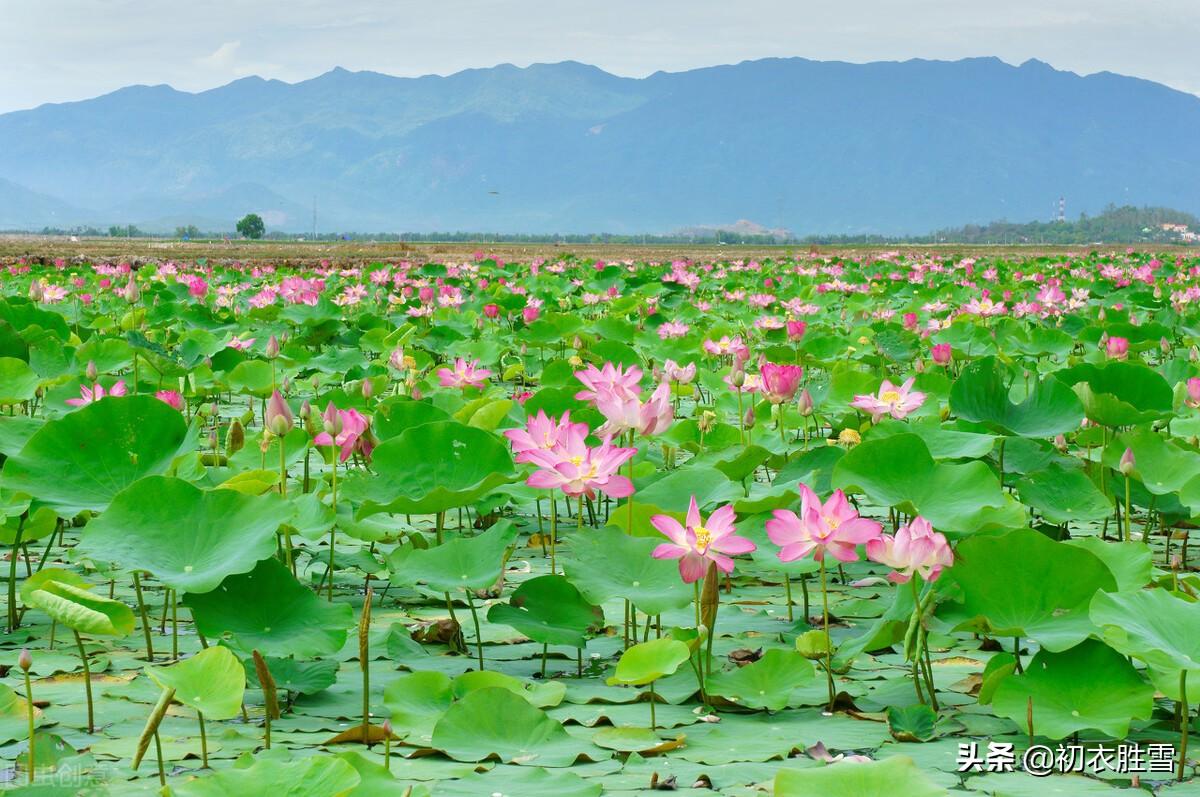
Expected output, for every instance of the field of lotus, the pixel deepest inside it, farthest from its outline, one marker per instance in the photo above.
(903, 524)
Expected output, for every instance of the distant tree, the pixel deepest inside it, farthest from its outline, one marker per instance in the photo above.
(191, 231)
(251, 226)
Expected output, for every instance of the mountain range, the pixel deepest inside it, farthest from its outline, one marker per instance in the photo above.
(806, 146)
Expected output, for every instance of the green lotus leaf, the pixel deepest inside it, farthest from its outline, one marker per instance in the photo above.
(523, 781)
(83, 459)
(898, 471)
(648, 661)
(1022, 583)
(1162, 466)
(431, 468)
(943, 443)
(18, 382)
(253, 377)
(896, 777)
(41, 523)
(1089, 686)
(766, 683)
(457, 564)
(191, 539)
(1119, 393)
(1152, 625)
(1131, 565)
(542, 695)
(548, 609)
(212, 682)
(268, 610)
(49, 574)
(1064, 494)
(81, 610)
(290, 675)
(417, 701)
(495, 723)
(607, 564)
(319, 776)
(915, 723)
(981, 394)
(400, 413)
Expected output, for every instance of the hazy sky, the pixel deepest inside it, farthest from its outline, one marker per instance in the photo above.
(56, 50)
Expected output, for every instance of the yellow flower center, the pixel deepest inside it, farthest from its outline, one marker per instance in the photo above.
(890, 396)
(832, 523)
(703, 538)
(577, 461)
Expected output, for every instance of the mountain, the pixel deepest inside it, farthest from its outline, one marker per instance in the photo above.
(792, 144)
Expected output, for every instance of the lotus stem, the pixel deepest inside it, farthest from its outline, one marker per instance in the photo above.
(828, 640)
(553, 533)
(203, 741)
(12, 573)
(1128, 515)
(333, 528)
(29, 714)
(478, 634)
(137, 590)
(653, 719)
(1184, 723)
(270, 698)
(364, 659)
(87, 681)
(174, 625)
(787, 590)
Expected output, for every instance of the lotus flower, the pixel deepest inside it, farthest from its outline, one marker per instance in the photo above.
(542, 435)
(678, 373)
(796, 330)
(915, 549)
(891, 400)
(780, 382)
(278, 418)
(172, 398)
(1193, 392)
(941, 353)
(627, 413)
(1117, 348)
(833, 527)
(87, 395)
(579, 470)
(696, 543)
(465, 374)
(616, 379)
(347, 429)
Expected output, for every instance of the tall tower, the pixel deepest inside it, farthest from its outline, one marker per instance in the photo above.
(1062, 209)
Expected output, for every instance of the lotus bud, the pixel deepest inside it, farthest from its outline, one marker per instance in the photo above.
(748, 418)
(368, 389)
(235, 438)
(287, 385)
(264, 442)
(272, 347)
(305, 410)
(332, 420)
(1127, 462)
(396, 360)
(1194, 354)
(35, 291)
(92, 371)
(316, 382)
(279, 415)
(805, 403)
(25, 660)
(707, 421)
(213, 440)
(944, 412)
(132, 292)
(416, 394)
(919, 365)
(1060, 442)
(1164, 345)
(1102, 315)
(737, 377)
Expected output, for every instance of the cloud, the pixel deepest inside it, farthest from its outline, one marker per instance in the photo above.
(221, 58)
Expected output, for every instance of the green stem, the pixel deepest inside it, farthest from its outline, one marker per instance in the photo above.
(137, 589)
(787, 589)
(12, 574)
(653, 700)
(478, 635)
(29, 713)
(87, 682)
(1183, 730)
(828, 639)
(1128, 516)
(333, 528)
(203, 742)
(553, 533)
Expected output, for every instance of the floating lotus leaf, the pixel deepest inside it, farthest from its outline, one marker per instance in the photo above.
(766, 683)
(608, 563)
(895, 777)
(190, 539)
(81, 610)
(457, 564)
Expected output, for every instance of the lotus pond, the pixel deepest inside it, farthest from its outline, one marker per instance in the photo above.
(899, 524)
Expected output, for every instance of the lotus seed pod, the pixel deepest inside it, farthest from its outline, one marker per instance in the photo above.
(235, 438)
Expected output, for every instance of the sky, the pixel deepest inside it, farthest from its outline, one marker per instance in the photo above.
(63, 50)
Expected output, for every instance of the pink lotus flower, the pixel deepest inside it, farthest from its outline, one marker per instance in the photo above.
(727, 345)
(491, 310)
(239, 344)
(465, 374)
(172, 398)
(941, 353)
(891, 400)
(915, 549)
(87, 395)
(530, 314)
(1117, 348)
(697, 543)
(579, 470)
(278, 419)
(611, 378)
(347, 429)
(680, 374)
(1193, 392)
(796, 330)
(834, 527)
(543, 435)
(780, 382)
(625, 413)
